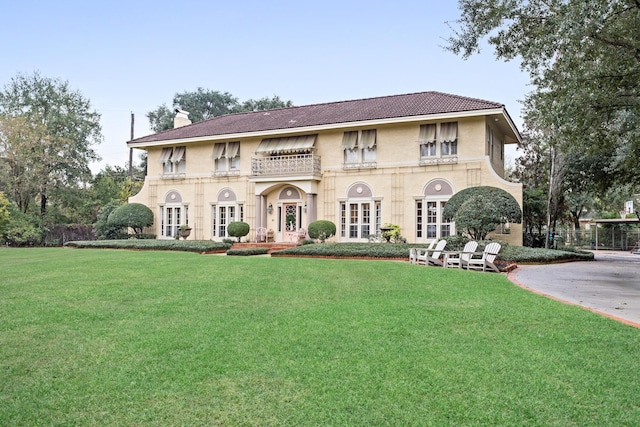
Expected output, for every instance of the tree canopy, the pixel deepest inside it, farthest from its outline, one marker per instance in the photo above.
(47, 134)
(583, 58)
(204, 104)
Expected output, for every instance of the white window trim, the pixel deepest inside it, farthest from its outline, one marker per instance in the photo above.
(184, 219)
(374, 224)
(215, 217)
(361, 155)
(177, 167)
(425, 218)
(231, 164)
(438, 157)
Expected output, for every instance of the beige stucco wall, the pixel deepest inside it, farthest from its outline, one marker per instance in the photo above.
(397, 180)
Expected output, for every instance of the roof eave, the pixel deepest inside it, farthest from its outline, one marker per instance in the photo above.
(341, 125)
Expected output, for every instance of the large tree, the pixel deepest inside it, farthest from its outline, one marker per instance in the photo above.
(204, 104)
(21, 165)
(48, 131)
(584, 61)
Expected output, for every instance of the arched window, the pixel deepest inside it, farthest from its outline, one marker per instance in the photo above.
(430, 224)
(360, 213)
(224, 210)
(173, 213)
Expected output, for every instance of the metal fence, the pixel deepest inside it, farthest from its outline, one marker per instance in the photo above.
(621, 237)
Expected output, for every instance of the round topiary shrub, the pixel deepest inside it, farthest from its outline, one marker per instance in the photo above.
(133, 215)
(322, 230)
(238, 229)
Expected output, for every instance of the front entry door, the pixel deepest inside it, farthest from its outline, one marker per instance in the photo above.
(290, 222)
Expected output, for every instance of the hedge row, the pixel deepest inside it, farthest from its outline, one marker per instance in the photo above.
(172, 245)
(514, 254)
(248, 251)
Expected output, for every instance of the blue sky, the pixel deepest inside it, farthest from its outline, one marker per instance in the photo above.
(134, 56)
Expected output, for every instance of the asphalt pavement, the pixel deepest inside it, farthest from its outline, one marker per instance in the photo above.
(609, 285)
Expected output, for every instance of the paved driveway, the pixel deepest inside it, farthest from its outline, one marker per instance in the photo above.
(609, 285)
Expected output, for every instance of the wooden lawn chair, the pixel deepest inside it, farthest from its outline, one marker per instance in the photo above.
(460, 259)
(487, 260)
(431, 256)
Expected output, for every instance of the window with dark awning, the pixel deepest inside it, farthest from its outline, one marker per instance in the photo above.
(292, 144)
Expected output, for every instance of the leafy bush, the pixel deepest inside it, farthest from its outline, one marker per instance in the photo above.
(479, 210)
(101, 228)
(4, 212)
(393, 235)
(478, 216)
(238, 229)
(248, 251)
(132, 215)
(22, 229)
(456, 243)
(173, 245)
(322, 230)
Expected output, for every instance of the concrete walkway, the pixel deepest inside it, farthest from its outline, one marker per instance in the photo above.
(610, 285)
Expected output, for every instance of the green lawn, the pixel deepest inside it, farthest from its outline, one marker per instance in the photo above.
(114, 337)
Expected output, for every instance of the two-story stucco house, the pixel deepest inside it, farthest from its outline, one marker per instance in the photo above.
(360, 164)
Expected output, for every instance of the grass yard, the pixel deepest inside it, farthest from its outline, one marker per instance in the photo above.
(114, 337)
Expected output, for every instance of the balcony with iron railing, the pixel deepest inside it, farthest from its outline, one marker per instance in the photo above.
(296, 164)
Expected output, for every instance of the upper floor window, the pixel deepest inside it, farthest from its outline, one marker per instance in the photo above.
(439, 143)
(226, 156)
(174, 161)
(360, 149)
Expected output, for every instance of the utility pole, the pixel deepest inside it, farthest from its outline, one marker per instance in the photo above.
(131, 150)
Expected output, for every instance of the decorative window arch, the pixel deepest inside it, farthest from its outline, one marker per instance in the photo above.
(430, 224)
(173, 213)
(225, 209)
(360, 213)
(290, 207)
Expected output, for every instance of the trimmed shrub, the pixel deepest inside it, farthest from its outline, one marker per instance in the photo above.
(238, 229)
(322, 230)
(164, 244)
(101, 229)
(132, 215)
(479, 210)
(248, 251)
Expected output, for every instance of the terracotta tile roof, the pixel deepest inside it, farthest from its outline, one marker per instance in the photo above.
(415, 104)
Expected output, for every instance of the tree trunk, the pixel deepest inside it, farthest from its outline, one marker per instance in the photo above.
(43, 205)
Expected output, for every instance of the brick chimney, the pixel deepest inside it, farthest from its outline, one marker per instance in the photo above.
(181, 118)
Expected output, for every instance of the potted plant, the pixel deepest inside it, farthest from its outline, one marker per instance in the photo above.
(185, 231)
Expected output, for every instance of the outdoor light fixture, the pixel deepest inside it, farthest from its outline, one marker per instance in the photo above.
(270, 208)
(305, 207)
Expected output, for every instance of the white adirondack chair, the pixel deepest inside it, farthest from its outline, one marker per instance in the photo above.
(431, 256)
(487, 260)
(460, 259)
